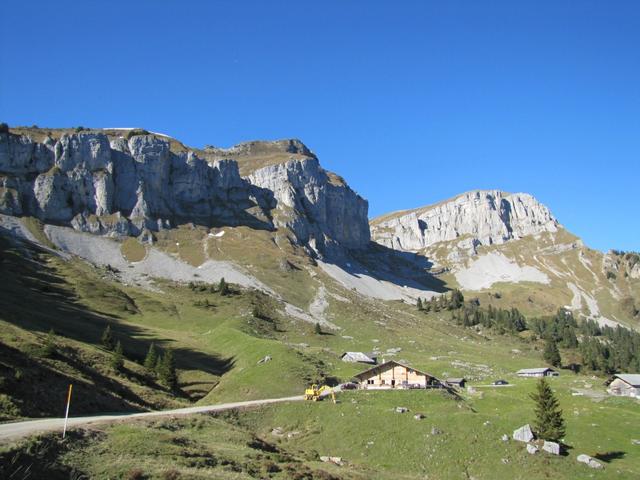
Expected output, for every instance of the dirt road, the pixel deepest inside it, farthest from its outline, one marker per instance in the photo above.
(16, 430)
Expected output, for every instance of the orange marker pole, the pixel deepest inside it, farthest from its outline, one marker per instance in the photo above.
(66, 415)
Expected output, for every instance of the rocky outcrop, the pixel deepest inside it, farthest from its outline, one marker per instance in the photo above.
(117, 185)
(320, 211)
(112, 184)
(482, 217)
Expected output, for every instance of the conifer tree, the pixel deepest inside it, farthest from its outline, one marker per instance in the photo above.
(551, 353)
(223, 288)
(317, 329)
(167, 370)
(117, 358)
(151, 359)
(107, 339)
(419, 304)
(549, 423)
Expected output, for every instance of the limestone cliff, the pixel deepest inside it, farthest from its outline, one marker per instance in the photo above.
(482, 217)
(127, 183)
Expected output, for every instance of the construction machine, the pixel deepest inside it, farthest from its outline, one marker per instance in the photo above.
(315, 392)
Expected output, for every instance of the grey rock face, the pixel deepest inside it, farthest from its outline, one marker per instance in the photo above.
(484, 217)
(119, 186)
(123, 186)
(320, 211)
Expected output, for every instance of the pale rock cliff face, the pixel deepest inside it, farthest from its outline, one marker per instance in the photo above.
(113, 185)
(321, 210)
(482, 217)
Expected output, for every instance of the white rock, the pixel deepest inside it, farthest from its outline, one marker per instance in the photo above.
(523, 434)
(551, 447)
(532, 448)
(591, 462)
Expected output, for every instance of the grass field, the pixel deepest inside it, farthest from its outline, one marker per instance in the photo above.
(457, 438)
(218, 343)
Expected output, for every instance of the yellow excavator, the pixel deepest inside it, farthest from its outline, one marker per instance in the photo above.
(315, 393)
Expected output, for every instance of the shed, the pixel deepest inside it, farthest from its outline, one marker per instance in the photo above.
(456, 382)
(625, 385)
(392, 374)
(537, 372)
(357, 357)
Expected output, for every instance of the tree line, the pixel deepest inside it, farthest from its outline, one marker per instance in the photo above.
(602, 349)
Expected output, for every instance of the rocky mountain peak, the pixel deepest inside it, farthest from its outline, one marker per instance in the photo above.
(134, 183)
(483, 217)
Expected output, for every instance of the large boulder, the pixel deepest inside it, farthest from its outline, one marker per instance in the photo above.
(523, 434)
(551, 447)
(590, 461)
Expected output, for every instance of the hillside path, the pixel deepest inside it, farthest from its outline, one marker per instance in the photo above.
(16, 430)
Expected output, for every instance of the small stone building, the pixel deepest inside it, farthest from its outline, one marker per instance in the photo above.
(625, 385)
(537, 372)
(392, 374)
(358, 357)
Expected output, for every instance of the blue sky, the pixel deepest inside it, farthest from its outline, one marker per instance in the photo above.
(412, 102)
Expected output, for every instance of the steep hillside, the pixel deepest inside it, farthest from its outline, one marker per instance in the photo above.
(488, 241)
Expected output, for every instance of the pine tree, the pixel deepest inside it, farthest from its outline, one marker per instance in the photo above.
(107, 339)
(317, 329)
(419, 304)
(151, 359)
(549, 423)
(223, 288)
(167, 370)
(117, 358)
(457, 299)
(551, 353)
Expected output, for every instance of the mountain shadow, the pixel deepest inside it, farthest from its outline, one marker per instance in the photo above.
(403, 269)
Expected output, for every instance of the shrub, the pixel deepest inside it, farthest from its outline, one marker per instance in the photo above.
(171, 474)
(136, 474)
(4, 128)
(8, 409)
(136, 132)
(48, 350)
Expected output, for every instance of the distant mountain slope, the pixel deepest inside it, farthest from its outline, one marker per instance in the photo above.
(486, 217)
(490, 240)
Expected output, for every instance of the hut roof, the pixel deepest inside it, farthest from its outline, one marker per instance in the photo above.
(359, 357)
(630, 378)
(535, 370)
